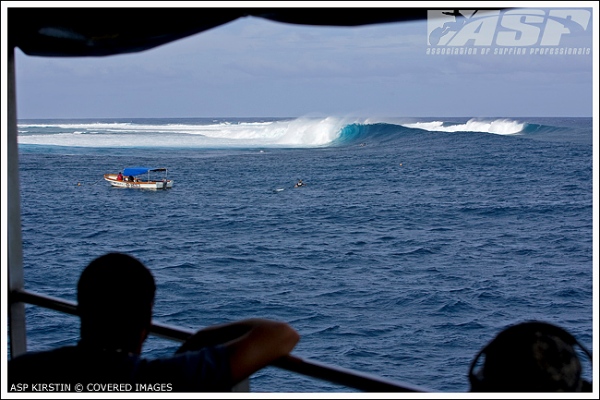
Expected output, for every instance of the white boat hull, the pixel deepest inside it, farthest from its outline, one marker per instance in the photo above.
(151, 185)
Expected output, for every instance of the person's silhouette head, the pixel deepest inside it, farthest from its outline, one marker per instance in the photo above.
(529, 357)
(115, 295)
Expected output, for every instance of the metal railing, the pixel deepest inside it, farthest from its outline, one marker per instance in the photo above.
(346, 377)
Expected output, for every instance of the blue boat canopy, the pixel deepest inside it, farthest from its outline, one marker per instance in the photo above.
(134, 171)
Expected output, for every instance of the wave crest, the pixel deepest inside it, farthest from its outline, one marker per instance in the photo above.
(498, 126)
(302, 132)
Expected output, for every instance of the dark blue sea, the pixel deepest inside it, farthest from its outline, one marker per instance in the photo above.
(412, 244)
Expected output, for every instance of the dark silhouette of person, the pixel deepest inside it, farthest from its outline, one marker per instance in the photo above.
(459, 21)
(457, 24)
(115, 295)
(458, 17)
(531, 356)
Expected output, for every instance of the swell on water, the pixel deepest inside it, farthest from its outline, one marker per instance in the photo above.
(304, 132)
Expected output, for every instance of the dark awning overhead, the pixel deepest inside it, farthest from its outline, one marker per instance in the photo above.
(106, 31)
(66, 32)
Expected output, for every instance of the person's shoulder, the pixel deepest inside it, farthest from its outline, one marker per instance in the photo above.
(73, 364)
(38, 356)
(34, 366)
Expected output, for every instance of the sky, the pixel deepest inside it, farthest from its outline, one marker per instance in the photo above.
(254, 67)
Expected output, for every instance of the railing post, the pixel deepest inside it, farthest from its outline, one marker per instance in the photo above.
(16, 311)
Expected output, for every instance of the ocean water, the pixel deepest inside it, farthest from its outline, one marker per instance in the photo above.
(413, 243)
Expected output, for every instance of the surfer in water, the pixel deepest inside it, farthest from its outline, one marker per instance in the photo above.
(299, 183)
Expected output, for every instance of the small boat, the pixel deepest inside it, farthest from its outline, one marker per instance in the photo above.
(140, 178)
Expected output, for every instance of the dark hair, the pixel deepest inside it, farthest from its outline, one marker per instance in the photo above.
(530, 357)
(115, 294)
